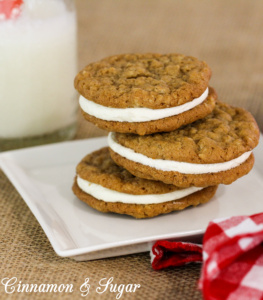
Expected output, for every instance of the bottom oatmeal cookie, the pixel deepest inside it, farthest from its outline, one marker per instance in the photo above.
(108, 187)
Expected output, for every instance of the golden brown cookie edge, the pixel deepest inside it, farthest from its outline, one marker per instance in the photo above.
(197, 142)
(184, 180)
(145, 210)
(161, 125)
(99, 168)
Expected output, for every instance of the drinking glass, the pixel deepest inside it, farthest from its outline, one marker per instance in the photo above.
(38, 62)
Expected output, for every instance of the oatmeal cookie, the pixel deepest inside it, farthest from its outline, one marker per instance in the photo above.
(108, 187)
(145, 93)
(213, 150)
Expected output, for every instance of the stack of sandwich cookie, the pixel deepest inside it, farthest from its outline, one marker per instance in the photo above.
(170, 142)
(145, 93)
(108, 187)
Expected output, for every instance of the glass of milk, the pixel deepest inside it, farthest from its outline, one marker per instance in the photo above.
(38, 63)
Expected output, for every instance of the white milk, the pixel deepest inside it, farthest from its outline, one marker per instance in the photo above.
(37, 69)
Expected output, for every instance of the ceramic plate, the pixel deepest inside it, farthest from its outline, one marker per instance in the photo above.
(44, 176)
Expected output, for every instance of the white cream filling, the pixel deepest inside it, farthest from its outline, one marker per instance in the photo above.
(99, 192)
(175, 166)
(138, 114)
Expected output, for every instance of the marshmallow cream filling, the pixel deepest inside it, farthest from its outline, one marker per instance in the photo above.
(175, 166)
(138, 114)
(99, 192)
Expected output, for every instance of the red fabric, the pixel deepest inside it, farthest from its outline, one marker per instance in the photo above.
(166, 254)
(9, 9)
(232, 258)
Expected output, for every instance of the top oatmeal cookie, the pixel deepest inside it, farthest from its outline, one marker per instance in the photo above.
(143, 80)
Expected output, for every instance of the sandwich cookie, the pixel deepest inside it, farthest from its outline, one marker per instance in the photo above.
(107, 187)
(145, 93)
(210, 151)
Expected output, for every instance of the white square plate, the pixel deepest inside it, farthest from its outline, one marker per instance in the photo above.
(44, 176)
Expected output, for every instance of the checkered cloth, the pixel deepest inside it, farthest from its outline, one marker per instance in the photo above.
(232, 258)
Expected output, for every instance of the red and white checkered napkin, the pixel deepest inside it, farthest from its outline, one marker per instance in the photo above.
(232, 258)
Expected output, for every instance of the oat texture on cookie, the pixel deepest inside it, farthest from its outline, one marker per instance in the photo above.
(98, 167)
(223, 135)
(143, 80)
